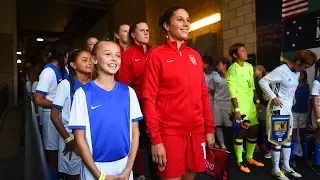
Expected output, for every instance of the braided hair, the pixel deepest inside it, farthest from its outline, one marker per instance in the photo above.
(59, 51)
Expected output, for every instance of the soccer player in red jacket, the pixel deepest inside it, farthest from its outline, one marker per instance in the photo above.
(131, 73)
(176, 103)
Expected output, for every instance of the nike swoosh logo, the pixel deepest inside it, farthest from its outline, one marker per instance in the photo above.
(93, 107)
(137, 60)
(169, 61)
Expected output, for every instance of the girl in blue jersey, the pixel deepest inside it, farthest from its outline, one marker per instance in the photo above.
(104, 119)
(52, 74)
(80, 65)
(300, 112)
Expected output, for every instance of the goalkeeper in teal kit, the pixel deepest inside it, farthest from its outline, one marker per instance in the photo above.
(240, 81)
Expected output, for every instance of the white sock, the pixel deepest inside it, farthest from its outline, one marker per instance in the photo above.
(219, 133)
(286, 151)
(275, 159)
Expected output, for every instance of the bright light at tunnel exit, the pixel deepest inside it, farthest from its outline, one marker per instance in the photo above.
(205, 21)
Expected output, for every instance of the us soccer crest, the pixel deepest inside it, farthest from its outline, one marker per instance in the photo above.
(193, 59)
(278, 133)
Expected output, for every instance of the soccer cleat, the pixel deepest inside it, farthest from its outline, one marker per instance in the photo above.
(291, 172)
(280, 175)
(255, 163)
(243, 167)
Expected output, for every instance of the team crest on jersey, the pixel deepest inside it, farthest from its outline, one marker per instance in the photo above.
(193, 59)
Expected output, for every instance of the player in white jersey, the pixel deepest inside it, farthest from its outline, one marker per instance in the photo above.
(52, 74)
(28, 86)
(79, 64)
(315, 93)
(285, 80)
(104, 118)
(221, 100)
(209, 73)
(38, 109)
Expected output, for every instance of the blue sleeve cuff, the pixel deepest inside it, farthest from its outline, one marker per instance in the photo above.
(41, 92)
(57, 106)
(77, 127)
(137, 119)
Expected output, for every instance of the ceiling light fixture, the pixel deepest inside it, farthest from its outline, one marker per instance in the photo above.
(19, 61)
(19, 52)
(205, 21)
(40, 39)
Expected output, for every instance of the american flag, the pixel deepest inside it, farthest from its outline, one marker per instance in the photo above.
(293, 8)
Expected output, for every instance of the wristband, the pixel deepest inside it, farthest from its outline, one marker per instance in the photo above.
(102, 176)
(237, 109)
(318, 120)
(258, 101)
(68, 139)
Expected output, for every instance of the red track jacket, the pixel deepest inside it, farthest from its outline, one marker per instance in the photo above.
(132, 67)
(175, 96)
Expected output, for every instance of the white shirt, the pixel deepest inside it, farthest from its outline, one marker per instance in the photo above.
(49, 79)
(208, 78)
(28, 86)
(221, 98)
(284, 82)
(315, 90)
(63, 100)
(34, 87)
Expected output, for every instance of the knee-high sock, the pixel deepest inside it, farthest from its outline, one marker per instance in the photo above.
(238, 149)
(275, 154)
(317, 153)
(304, 146)
(250, 146)
(219, 133)
(286, 151)
(53, 173)
(293, 144)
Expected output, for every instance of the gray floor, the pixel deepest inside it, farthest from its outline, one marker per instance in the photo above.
(11, 155)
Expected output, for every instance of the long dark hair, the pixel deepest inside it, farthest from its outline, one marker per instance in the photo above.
(166, 16)
(59, 51)
(72, 58)
(224, 61)
(305, 77)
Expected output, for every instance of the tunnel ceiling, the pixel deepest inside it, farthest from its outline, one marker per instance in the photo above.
(54, 19)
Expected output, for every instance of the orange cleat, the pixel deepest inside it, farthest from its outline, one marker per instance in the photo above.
(255, 163)
(243, 167)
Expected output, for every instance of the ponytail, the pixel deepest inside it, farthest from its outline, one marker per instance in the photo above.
(59, 51)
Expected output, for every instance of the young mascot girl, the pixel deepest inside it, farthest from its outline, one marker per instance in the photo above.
(80, 65)
(104, 118)
(52, 74)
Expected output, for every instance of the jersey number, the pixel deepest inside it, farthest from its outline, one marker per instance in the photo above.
(204, 150)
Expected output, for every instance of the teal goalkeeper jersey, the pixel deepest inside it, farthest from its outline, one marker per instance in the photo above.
(240, 82)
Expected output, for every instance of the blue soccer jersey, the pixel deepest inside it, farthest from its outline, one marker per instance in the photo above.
(106, 117)
(49, 79)
(64, 98)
